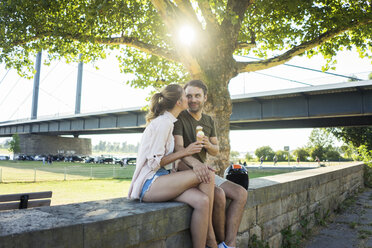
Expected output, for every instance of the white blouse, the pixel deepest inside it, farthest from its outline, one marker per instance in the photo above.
(157, 141)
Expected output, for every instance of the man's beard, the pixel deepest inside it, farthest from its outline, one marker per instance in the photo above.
(196, 109)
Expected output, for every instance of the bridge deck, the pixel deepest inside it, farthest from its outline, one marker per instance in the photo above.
(345, 104)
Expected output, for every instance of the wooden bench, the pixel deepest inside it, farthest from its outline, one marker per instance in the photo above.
(25, 200)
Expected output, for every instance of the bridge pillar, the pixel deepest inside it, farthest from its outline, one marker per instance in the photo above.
(35, 95)
(35, 144)
(78, 86)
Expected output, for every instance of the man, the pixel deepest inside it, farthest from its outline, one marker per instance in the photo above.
(184, 134)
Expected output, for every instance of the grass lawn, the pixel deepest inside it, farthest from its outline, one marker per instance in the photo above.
(29, 171)
(65, 192)
(73, 191)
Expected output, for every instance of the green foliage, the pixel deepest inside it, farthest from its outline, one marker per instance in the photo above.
(366, 156)
(348, 151)
(104, 146)
(324, 153)
(282, 155)
(265, 151)
(332, 154)
(320, 145)
(234, 155)
(302, 153)
(322, 218)
(355, 136)
(67, 28)
(254, 242)
(317, 151)
(319, 137)
(248, 157)
(14, 144)
(5, 144)
(291, 239)
(150, 70)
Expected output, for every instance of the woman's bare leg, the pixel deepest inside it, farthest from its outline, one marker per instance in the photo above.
(199, 218)
(168, 187)
(208, 189)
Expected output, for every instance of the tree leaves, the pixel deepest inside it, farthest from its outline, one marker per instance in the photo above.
(67, 28)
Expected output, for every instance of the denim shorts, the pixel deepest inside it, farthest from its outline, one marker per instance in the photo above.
(148, 182)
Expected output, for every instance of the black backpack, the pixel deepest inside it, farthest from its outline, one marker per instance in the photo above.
(238, 174)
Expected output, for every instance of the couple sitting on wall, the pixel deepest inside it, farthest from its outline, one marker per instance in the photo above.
(171, 165)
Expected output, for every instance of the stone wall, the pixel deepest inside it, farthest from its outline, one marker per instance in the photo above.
(34, 144)
(274, 203)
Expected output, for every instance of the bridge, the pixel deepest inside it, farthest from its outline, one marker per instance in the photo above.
(332, 105)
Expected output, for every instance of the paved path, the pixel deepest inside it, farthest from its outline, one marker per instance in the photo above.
(349, 229)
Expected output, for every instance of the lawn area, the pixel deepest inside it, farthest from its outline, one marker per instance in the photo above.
(65, 192)
(51, 177)
(30, 171)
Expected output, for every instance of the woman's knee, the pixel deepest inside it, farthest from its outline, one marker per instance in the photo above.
(201, 201)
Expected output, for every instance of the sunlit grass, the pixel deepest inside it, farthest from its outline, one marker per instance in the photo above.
(65, 192)
(73, 191)
(30, 171)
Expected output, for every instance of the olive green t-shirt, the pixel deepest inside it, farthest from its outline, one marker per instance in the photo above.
(186, 127)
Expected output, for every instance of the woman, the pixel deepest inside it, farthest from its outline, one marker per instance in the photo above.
(152, 182)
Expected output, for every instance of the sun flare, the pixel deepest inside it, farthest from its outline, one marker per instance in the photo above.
(186, 35)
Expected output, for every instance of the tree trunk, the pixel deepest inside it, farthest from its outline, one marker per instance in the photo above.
(217, 76)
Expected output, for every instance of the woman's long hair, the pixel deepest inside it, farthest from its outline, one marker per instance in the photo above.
(164, 100)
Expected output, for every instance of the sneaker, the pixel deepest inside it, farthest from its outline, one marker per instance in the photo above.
(223, 245)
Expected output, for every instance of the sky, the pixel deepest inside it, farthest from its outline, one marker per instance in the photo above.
(106, 89)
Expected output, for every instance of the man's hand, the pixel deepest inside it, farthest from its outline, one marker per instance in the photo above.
(202, 172)
(193, 148)
(206, 143)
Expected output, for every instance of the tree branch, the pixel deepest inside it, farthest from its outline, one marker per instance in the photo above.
(167, 11)
(297, 50)
(245, 45)
(232, 21)
(206, 10)
(186, 8)
(142, 46)
(124, 40)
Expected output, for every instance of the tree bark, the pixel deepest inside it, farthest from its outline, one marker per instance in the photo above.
(216, 74)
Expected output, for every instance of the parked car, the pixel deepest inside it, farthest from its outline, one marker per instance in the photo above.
(40, 157)
(89, 160)
(131, 161)
(106, 160)
(4, 157)
(25, 158)
(73, 158)
(117, 161)
(127, 161)
(58, 157)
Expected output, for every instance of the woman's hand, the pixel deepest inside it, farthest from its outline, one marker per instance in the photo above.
(194, 148)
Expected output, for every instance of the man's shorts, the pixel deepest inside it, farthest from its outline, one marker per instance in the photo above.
(219, 180)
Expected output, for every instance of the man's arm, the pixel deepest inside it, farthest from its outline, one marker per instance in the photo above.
(211, 144)
(200, 169)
